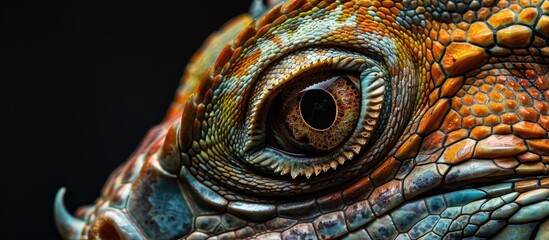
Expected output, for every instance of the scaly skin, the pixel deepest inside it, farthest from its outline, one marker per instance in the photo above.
(451, 140)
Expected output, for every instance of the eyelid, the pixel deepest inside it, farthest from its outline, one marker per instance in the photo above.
(257, 152)
(273, 79)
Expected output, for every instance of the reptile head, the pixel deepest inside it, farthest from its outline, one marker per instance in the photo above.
(313, 119)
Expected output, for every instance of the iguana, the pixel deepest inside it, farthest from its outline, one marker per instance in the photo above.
(350, 119)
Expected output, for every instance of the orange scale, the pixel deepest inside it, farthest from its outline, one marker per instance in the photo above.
(456, 136)
(541, 106)
(502, 129)
(468, 122)
(527, 113)
(529, 130)
(481, 97)
(480, 110)
(491, 120)
(495, 96)
(510, 105)
(523, 98)
(468, 100)
(509, 118)
(480, 132)
(495, 107)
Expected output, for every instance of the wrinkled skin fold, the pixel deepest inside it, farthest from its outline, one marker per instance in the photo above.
(450, 140)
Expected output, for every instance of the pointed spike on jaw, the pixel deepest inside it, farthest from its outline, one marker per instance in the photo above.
(68, 226)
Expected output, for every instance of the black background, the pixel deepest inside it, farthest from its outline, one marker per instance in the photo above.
(81, 83)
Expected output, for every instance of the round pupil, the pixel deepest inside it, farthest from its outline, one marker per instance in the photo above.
(318, 109)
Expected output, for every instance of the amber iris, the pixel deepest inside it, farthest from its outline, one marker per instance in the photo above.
(316, 113)
(318, 109)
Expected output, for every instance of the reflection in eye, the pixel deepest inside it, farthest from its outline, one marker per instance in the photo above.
(316, 113)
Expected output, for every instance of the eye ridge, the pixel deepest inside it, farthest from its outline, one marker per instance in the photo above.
(281, 153)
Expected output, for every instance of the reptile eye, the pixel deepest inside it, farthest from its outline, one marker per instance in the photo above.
(315, 114)
(314, 110)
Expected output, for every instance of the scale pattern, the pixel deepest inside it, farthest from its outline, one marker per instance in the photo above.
(457, 148)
